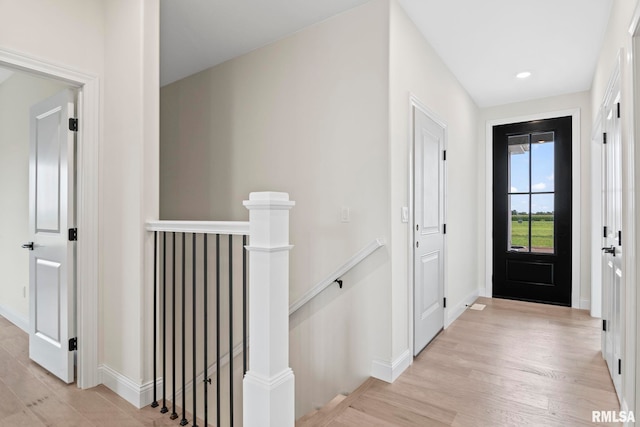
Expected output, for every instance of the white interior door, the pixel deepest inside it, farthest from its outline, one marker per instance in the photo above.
(51, 215)
(429, 186)
(612, 272)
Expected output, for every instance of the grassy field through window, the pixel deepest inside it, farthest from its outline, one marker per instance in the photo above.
(541, 234)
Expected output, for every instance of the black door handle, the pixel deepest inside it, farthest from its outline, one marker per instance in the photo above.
(610, 250)
(28, 246)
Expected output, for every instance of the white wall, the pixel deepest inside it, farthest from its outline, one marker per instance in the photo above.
(306, 115)
(580, 100)
(130, 183)
(17, 94)
(417, 69)
(617, 41)
(116, 41)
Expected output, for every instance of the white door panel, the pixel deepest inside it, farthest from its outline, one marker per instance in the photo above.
(429, 145)
(612, 272)
(51, 212)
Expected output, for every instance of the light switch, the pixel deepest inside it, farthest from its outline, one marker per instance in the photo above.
(405, 214)
(345, 215)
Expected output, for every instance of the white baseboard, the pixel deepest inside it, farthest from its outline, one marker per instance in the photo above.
(136, 394)
(454, 312)
(585, 304)
(389, 372)
(14, 318)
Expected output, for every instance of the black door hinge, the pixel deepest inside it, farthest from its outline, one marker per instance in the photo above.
(444, 229)
(618, 107)
(444, 303)
(604, 234)
(444, 155)
(604, 325)
(619, 237)
(73, 124)
(73, 344)
(604, 138)
(73, 234)
(619, 366)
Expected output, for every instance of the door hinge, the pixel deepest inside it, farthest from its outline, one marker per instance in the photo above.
(73, 124)
(604, 234)
(619, 237)
(619, 366)
(444, 303)
(444, 155)
(618, 107)
(73, 234)
(604, 138)
(73, 344)
(444, 229)
(604, 325)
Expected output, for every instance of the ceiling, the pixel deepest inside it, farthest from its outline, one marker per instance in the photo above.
(485, 46)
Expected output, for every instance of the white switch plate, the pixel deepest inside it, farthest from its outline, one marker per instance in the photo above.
(345, 214)
(405, 214)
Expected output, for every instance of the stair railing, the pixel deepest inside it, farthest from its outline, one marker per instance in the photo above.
(263, 283)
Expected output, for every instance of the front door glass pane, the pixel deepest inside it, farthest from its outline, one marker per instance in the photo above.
(542, 223)
(542, 162)
(519, 163)
(519, 223)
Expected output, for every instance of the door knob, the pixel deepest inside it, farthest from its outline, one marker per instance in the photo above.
(28, 246)
(610, 250)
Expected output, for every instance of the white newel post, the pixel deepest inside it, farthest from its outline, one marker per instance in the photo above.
(268, 399)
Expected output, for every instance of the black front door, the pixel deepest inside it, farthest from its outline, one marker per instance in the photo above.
(532, 211)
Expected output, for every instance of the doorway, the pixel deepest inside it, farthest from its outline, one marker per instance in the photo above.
(532, 212)
(37, 167)
(88, 137)
(429, 144)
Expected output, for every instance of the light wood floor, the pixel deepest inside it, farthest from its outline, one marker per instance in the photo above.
(30, 396)
(512, 364)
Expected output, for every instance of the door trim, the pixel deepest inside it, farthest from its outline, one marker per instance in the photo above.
(87, 203)
(575, 198)
(414, 102)
(596, 216)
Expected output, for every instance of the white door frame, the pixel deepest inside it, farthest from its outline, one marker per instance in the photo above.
(596, 216)
(87, 203)
(632, 273)
(414, 102)
(575, 196)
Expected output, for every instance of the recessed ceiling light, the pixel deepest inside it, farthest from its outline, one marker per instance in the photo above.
(523, 75)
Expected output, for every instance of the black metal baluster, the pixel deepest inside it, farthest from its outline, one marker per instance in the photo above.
(218, 367)
(164, 409)
(231, 329)
(244, 305)
(205, 332)
(154, 404)
(174, 414)
(184, 421)
(193, 308)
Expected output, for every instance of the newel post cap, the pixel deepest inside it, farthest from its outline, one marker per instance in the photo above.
(269, 200)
